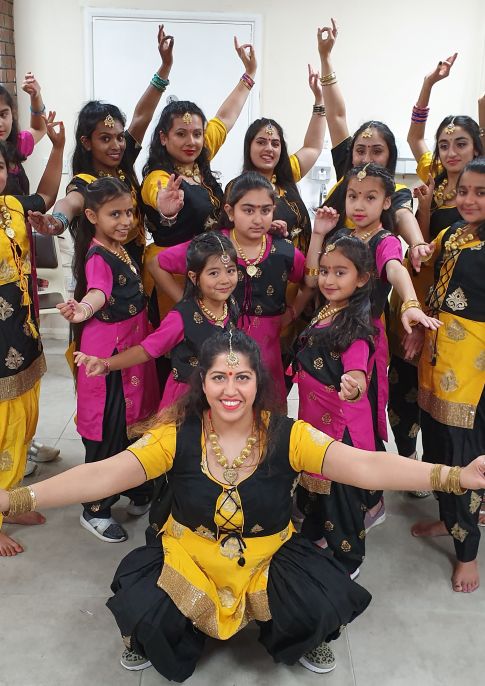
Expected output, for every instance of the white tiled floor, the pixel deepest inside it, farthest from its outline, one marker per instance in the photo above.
(55, 629)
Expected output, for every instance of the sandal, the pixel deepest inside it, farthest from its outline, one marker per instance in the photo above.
(105, 529)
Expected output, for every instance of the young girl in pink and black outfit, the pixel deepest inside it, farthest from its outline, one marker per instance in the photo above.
(109, 310)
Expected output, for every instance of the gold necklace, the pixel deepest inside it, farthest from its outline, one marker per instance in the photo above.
(364, 236)
(439, 195)
(251, 265)
(123, 255)
(119, 172)
(189, 172)
(326, 312)
(230, 473)
(217, 319)
(457, 239)
(6, 222)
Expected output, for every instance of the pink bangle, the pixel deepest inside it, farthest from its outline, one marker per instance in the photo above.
(89, 306)
(107, 367)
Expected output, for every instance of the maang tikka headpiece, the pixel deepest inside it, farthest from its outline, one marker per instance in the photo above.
(225, 257)
(269, 129)
(187, 118)
(451, 127)
(363, 173)
(109, 122)
(232, 360)
(368, 131)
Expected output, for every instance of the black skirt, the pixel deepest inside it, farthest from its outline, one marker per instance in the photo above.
(311, 598)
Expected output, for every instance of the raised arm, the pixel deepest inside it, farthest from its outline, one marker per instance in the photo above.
(231, 108)
(313, 142)
(51, 178)
(165, 281)
(481, 117)
(38, 127)
(332, 95)
(86, 483)
(417, 128)
(148, 102)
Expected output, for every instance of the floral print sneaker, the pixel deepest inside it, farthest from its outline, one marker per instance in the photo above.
(133, 662)
(321, 659)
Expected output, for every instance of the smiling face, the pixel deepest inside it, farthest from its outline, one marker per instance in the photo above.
(455, 149)
(252, 215)
(230, 391)
(373, 149)
(107, 145)
(112, 220)
(338, 277)
(364, 202)
(184, 141)
(470, 198)
(216, 281)
(265, 150)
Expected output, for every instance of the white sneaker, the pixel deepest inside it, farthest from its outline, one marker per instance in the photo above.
(137, 510)
(108, 530)
(38, 452)
(30, 467)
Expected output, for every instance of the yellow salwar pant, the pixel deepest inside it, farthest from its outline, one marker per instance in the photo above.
(18, 421)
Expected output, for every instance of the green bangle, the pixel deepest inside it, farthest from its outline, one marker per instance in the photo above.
(159, 83)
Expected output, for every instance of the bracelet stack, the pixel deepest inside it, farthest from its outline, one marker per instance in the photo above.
(328, 79)
(167, 221)
(420, 114)
(312, 271)
(409, 304)
(20, 500)
(107, 367)
(61, 217)
(452, 483)
(319, 110)
(37, 112)
(159, 83)
(247, 81)
(87, 309)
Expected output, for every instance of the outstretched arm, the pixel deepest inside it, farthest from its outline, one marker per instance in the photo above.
(231, 108)
(86, 482)
(388, 471)
(417, 128)
(51, 178)
(332, 95)
(98, 366)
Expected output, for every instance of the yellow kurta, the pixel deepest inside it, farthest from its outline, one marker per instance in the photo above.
(200, 573)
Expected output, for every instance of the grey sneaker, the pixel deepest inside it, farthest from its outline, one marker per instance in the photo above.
(133, 662)
(321, 659)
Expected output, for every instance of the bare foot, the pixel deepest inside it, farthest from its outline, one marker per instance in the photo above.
(429, 529)
(466, 577)
(28, 518)
(9, 547)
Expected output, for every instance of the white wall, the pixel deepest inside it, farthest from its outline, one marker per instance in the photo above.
(383, 52)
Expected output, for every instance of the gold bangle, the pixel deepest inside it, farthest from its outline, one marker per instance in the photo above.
(327, 77)
(452, 483)
(416, 245)
(312, 271)
(409, 304)
(435, 477)
(21, 500)
(329, 83)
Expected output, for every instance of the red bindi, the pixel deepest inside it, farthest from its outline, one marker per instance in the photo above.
(229, 373)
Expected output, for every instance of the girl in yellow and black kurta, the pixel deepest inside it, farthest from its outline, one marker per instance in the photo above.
(105, 148)
(452, 369)
(457, 142)
(181, 195)
(22, 361)
(229, 553)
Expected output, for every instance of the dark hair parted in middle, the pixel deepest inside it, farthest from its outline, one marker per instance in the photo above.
(242, 184)
(282, 171)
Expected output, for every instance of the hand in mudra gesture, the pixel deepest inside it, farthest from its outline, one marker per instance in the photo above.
(170, 199)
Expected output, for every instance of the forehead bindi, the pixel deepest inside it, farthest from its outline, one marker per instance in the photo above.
(103, 130)
(367, 185)
(178, 124)
(458, 135)
(472, 180)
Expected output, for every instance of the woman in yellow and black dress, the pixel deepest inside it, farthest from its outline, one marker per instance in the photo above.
(457, 142)
(105, 148)
(22, 362)
(181, 194)
(452, 369)
(229, 553)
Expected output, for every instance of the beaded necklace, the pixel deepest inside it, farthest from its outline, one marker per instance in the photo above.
(326, 312)
(190, 173)
(119, 172)
(439, 195)
(251, 265)
(217, 319)
(457, 239)
(230, 473)
(122, 255)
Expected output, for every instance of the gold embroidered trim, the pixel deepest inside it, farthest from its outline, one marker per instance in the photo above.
(480, 362)
(6, 461)
(13, 386)
(459, 533)
(6, 309)
(313, 485)
(201, 610)
(447, 412)
(475, 502)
